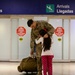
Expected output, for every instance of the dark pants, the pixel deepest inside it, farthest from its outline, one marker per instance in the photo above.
(38, 56)
(39, 64)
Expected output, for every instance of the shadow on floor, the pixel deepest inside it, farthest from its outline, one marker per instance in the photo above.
(29, 74)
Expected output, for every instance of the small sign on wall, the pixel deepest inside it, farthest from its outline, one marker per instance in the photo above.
(21, 31)
(59, 31)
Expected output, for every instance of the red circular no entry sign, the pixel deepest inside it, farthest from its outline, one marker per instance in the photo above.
(59, 31)
(21, 31)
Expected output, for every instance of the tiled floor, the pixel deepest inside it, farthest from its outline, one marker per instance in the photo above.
(10, 68)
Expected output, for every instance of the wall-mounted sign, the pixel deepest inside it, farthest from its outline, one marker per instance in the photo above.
(59, 9)
(37, 7)
(21, 31)
(59, 31)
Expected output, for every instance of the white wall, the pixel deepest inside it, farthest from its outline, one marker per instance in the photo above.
(72, 39)
(5, 39)
(40, 18)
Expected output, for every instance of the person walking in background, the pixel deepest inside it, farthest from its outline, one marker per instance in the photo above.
(36, 26)
(47, 54)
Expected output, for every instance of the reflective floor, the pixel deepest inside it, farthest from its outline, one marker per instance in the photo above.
(10, 68)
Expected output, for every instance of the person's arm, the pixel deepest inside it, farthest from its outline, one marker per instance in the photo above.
(32, 42)
(50, 29)
(40, 40)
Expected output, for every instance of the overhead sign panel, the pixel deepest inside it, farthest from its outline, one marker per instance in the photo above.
(37, 7)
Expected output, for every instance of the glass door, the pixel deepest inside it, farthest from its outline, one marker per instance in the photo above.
(5, 39)
(57, 45)
(72, 40)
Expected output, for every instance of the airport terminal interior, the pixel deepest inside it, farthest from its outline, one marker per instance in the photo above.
(15, 35)
(13, 48)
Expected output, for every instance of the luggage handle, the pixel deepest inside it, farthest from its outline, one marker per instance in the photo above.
(30, 58)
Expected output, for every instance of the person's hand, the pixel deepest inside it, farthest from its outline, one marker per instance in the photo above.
(31, 52)
(46, 35)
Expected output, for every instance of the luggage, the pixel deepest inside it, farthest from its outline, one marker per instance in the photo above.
(28, 64)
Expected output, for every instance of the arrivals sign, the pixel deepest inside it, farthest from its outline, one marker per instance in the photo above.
(59, 9)
(37, 7)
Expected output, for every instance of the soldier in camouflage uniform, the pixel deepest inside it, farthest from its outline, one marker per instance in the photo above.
(36, 26)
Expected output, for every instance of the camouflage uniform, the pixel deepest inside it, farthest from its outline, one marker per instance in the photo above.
(34, 34)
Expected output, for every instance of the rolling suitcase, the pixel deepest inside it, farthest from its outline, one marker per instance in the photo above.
(28, 64)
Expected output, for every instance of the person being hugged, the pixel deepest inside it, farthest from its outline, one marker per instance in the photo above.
(47, 54)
